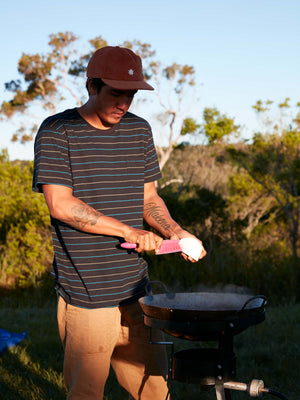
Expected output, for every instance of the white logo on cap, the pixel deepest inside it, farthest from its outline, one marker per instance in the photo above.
(130, 72)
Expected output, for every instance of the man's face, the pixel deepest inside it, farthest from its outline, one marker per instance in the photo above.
(111, 104)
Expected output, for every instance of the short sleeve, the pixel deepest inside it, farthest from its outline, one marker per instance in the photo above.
(152, 170)
(51, 156)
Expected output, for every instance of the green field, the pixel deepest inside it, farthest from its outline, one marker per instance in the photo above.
(33, 370)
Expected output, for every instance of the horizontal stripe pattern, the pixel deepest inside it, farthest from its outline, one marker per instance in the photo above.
(106, 169)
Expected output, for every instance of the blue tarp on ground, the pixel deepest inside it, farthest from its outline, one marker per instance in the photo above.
(9, 339)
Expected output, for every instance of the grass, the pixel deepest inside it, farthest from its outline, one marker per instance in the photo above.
(32, 370)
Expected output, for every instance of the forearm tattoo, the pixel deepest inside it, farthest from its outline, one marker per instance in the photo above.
(83, 215)
(156, 212)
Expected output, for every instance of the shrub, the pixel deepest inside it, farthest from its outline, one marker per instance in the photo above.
(25, 239)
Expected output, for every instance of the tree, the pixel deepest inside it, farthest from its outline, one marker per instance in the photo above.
(49, 79)
(25, 238)
(173, 84)
(250, 206)
(217, 127)
(272, 161)
(45, 77)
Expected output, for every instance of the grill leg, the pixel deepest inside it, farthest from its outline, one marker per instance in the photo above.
(221, 393)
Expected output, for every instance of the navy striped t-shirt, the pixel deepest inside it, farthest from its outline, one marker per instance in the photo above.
(107, 170)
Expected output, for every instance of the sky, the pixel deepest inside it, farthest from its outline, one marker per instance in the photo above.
(242, 50)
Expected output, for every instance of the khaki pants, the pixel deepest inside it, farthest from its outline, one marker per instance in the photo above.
(94, 339)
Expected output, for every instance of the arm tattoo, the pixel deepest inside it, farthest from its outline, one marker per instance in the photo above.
(155, 212)
(83, 215)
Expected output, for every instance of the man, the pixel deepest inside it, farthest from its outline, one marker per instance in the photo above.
(97, 167)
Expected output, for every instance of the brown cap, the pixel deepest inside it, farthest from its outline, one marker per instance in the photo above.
(118, 67)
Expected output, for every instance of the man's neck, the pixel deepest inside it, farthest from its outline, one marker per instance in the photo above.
(87, 113)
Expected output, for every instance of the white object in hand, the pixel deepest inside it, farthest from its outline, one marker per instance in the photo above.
(192, 247)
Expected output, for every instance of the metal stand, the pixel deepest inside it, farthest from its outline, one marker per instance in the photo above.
(222, 393)
(164, 343)
(206, 367)
(210, 367)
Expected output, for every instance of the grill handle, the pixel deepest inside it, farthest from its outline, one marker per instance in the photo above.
(260, 296)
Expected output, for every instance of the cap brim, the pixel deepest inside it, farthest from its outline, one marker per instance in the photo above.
(127, 85)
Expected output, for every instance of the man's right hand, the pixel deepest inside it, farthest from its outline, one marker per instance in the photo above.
(145, 240)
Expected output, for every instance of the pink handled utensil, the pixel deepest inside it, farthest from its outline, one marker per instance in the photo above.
(128, 246)
(168, 246)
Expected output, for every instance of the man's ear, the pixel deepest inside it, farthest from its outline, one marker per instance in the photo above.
(91, 88)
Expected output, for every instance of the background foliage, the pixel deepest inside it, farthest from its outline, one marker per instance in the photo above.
(244, 229)
(25, 243)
